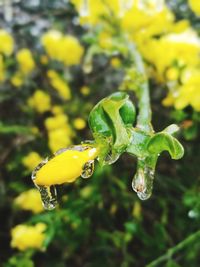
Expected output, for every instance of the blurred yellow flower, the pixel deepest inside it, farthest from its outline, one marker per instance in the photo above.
(115, 62)
(59, 131)
(31, 160)
(25, 60)
(182, 48)
(29, 200)
(85, 90)
(195, 6)
(17, 79)
(59, 84)
(57, 110)
(25, 237)
(187, 93)
(64, 48)
(2, 69)
(40, 101)
(137, 210)
(79, 123)
(6, 43)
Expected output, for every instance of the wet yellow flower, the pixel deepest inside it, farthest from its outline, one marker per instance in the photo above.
(24, 237)
(31, 160)
(65, 167)
(195, 6)
(29, 200)
(17, 79)
(6, 43)
(79, 123)
(59, 84)
(40, 101)
(25, 60)
(64, 48)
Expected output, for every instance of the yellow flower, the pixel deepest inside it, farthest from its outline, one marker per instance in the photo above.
(59, 121)
(59, 138)
(115, 62)
(85, 90)
(195, 6)
(79, 123)
(30, 200)
(182, 48)
(2, 69)
(65, 167)
(64, 48)
(59, 131)
(25, 237)
(17, 79)
(25, 61)
(56, 110)
(40, 101)
(31, 160)
(172, 74)
(6, 43)
(59, 84)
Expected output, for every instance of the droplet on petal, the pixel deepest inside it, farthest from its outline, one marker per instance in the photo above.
(88, 169)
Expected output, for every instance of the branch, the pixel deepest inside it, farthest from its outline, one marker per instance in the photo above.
(170, 252)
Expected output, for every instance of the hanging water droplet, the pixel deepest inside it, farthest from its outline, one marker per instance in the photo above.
(142, 182)
(48, 196)
(111, 158)
(88, 169)
(87, 67)
(84, 10)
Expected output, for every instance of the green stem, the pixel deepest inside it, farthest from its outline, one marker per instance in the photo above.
(144, 116)
(170, 252)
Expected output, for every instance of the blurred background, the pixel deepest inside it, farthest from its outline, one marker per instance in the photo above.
(57, 60)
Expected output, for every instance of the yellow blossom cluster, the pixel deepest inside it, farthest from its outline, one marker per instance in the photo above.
(40, 101)
(6, 49)
(170, 47)
(59, 84)
(31, 160)
(29, 200)
(63, 48)
(6, 43)
(25, 237)
(59, 131)
(26, 65)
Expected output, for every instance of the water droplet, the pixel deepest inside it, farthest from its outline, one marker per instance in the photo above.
(193, 214)
(142, 182)
(48, 196)
(88, 169)
(111, 158)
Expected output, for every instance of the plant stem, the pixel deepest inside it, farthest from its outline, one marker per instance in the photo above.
(144, 116)
(190, 239)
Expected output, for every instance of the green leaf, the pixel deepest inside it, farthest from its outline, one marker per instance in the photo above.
(165, 142)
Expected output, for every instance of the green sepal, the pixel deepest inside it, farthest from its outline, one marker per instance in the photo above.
(165, 142)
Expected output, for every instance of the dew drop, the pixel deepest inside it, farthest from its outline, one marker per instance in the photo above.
(88, 169)
(48, 196)
(142, 182)
(111, 158)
